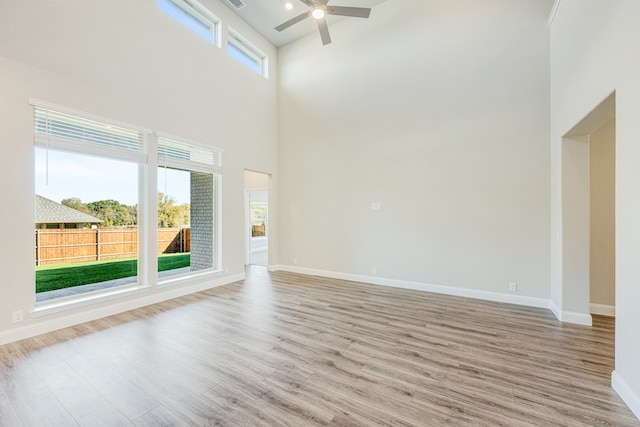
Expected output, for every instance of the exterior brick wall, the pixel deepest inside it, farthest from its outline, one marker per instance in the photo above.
(202, 220)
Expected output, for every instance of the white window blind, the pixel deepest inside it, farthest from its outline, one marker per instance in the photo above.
(181, 154)
(55, 129)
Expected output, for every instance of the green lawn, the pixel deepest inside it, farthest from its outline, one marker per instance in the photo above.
(60, 276)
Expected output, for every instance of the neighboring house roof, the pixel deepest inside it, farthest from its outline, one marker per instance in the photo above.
(50, 212)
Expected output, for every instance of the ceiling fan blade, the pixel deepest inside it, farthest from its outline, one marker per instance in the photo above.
(307, 2)
(356, 12)
(324, 31)
(324, 2)
(292, 21)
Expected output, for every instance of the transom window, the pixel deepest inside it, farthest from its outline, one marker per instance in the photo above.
(244, 51)
(194, 16)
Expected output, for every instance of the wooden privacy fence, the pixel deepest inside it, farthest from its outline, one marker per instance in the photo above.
(95, 244)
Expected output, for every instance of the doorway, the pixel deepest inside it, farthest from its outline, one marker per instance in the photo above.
(256, 189)
(588, 216)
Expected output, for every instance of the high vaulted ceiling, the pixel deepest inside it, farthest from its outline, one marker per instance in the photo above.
(265, 15)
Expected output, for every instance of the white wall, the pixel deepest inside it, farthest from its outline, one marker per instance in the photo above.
(256, 181)
(438, 110)
(594, 46)
(130, 62)
(602, 170)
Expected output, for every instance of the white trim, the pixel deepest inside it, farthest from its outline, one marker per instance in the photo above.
(217, 223)
(563, 316)
(577, 318)
(439, 289)
(192, 276)
(100, 312)
(603, 310)
(59, 305)
(554, 11)
(570, 316)
(625, 392)
(555, 310)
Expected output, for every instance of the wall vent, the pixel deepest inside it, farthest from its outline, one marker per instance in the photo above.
(238, 4)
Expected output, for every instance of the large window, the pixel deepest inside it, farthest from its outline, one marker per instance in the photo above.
(86, 230)
(187, 206)
(93, 197)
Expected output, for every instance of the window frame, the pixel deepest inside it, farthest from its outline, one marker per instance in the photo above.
(65, 139)
(147, 165)
(203, 163)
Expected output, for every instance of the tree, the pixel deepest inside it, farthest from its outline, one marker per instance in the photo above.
(185, 214)
(76, 203)
(112, 213)
(169, 215)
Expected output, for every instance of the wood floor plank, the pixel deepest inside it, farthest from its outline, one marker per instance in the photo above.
(8, 414)
(107, 416)
(160, 417)
(283, 349)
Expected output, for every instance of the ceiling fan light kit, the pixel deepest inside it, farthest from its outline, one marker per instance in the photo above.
(319, 10)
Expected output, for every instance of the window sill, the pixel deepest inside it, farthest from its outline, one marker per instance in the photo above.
(69, 303)
(59, 305)
(180, 279)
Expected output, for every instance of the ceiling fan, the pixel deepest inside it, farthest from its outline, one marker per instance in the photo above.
(319, 9)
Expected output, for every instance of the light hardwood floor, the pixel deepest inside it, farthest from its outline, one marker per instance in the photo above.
(282, 349)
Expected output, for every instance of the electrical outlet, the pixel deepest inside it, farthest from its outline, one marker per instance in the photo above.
(374, 270)
(295, 261)
(513, 287)
(18, 316)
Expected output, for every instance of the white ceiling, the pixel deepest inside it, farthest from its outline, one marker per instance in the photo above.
(265, 15)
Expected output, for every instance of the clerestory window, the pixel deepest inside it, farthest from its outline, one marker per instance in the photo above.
(194, 16)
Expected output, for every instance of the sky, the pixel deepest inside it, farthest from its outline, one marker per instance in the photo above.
(91, 179)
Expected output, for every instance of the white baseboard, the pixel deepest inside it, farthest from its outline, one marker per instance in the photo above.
(439, 289)
(577, 318)
(563, 316)
(603, 310)
(44, 323)
(570, 316)
(631, 399)
(555, 310)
